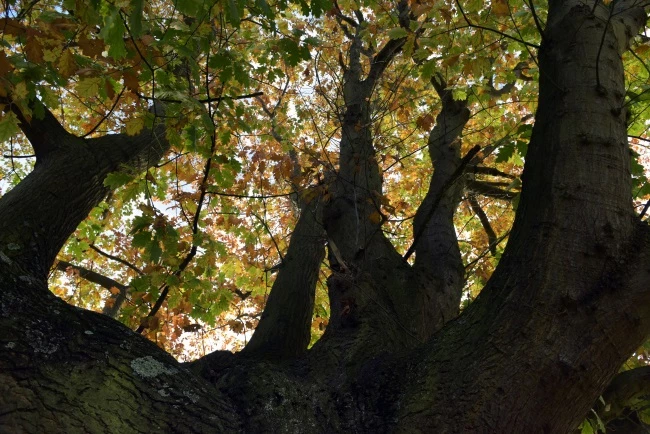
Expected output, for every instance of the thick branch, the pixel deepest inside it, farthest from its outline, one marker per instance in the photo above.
(66, 184)
(284, 328)
(46, 134)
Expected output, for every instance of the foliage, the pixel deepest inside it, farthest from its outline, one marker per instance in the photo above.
(253, 99)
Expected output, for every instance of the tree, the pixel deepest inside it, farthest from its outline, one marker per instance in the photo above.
(104, 91)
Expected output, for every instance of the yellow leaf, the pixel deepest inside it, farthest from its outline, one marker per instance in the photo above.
(20, 91)
(89, 87)
(67, 64)
(134, 126)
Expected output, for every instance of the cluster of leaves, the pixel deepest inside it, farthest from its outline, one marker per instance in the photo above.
(253, 96)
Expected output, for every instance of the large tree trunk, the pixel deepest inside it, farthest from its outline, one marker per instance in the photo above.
(567, 304)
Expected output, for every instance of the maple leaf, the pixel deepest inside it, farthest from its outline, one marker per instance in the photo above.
(134, 126)
(34, 49)
(425, 122)
(67, 63)
(131, 80)
(89, 87)
(8, 126)
(91, 47)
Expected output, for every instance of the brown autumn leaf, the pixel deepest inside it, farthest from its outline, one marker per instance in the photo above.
(5, 66)
(131, 80)
(91, 47)
(9, 26)
(33, 49)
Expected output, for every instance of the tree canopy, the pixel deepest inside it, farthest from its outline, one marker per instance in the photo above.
(295, 167)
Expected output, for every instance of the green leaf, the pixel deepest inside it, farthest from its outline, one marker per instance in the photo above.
(428, 69)
(89, 87)
(113, 34)
(295, 53)
(320, 6)
(505, 152)
(117, 179)
(397, 33)
(190, 8)
(141, 239)
(234, 14)
(8, 126)
(586, 428)
(154, 251)
(135, 19)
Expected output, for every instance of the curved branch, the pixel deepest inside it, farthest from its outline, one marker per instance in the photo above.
(45, 134)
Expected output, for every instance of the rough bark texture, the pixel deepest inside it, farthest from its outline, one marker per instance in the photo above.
(568, 303)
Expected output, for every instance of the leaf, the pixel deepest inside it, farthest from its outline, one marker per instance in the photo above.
(10, 26)
(117, 179)
(428, 68)
(5, 66)
(500, 8)
(190, 8)
(8, 126)
(586, 428)
(67, 63)
(135, 18)
(234, 14)
(134, 125)
(34, 49)
(89, 87)
(397, 33)
(131, 81)
(425, 122)
(91, 47)
(113, 34)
